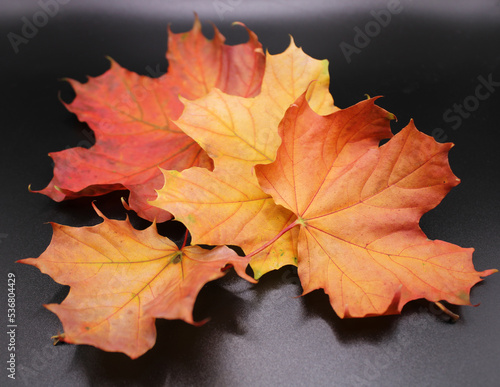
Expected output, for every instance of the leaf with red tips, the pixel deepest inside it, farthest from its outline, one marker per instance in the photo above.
(132, 117)
(122, 279)
(295, 181)
(358, 207)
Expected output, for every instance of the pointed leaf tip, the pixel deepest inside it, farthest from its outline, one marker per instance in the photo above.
(98, 212)
(125, 204)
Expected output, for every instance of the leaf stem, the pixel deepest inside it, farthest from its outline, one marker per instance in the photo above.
(185, 239)
(59, 338)
(453, 316)
(270, 242)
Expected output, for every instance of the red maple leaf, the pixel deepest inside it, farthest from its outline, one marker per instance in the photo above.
(132, 116)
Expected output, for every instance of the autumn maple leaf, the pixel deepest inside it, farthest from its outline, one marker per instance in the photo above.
(122, 279)
(132, 117)
(253, 157)
(358, 207)
(227, 205)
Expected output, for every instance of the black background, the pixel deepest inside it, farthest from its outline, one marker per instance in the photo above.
(425, 60)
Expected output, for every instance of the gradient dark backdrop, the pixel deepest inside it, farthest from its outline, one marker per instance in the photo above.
(430, 56)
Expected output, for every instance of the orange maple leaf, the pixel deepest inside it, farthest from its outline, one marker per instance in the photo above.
(132, 116)
(122, 279)
(295, 181)
(358, 206)
(226, 205)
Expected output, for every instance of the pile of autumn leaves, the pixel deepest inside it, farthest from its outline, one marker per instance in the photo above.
(245, 149)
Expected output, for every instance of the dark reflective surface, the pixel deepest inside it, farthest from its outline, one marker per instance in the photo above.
(425, 60)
